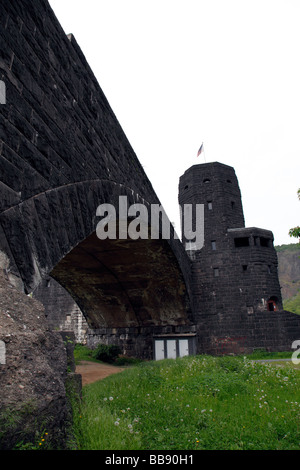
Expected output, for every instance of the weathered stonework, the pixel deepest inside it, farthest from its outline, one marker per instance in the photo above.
(62, 154)
(236, 293)
(61, 311)
(33, 372)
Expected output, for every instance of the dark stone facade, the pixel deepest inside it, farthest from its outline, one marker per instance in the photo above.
(62, 154)
(236, 293)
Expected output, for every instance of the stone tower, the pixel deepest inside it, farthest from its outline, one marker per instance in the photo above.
(234, 274)
(216, 186)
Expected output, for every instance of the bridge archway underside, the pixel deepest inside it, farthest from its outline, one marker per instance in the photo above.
(115, 282)
(63, 153)
(124, 283)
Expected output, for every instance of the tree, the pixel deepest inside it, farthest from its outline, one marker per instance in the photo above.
(295, 232)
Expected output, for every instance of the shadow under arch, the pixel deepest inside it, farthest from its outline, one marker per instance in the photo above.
(125, 283)
(114, 282)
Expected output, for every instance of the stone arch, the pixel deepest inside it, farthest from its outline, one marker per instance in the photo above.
(63, 153)
(116, 283)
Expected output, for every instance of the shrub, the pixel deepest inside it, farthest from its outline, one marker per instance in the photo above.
(106, 353)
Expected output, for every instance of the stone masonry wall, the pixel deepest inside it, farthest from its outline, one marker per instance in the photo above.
(234, 275)
(61, 311)
(62, 153)
(62, 149)
(240, 333)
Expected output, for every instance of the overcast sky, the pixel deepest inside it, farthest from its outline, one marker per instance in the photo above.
(223, 72)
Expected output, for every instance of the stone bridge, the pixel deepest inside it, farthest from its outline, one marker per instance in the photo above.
(63, 153)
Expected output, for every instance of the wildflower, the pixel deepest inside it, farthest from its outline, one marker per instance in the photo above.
(117, 423)
(110, 398)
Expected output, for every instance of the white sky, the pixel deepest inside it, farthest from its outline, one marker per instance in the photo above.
(224, 72)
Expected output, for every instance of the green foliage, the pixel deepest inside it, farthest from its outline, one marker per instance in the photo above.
(106, 353)
(196, 402)
(293, 304)
(261, 353)
(82, 353)
(289, 247)
(295, 232)
(42, 441)
(26, 429)
(126, 361)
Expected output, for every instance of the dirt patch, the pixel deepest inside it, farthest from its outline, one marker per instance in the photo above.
(93, 371)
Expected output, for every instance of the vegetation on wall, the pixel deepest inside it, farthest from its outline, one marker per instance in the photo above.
(293, 304)
(289, 275)
(295, 232)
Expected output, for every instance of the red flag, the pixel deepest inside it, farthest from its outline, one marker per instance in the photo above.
(200, 150)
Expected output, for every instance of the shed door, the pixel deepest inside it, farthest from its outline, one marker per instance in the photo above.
(159, 349)
(171, 349)
(183, 347)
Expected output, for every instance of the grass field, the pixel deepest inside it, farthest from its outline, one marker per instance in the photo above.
(196, 402)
